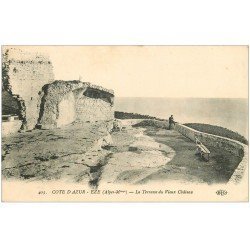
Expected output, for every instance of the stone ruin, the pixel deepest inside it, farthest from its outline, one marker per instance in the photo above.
(64, 102)
(30, 92)
(23, 75)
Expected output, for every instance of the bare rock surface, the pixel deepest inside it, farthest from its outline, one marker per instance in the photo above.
(67, 153)
(143, 157)
(88, 154)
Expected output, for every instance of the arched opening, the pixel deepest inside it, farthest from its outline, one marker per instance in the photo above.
(99, 94)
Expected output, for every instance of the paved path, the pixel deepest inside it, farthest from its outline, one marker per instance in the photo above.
(188, 167)
(161, 156)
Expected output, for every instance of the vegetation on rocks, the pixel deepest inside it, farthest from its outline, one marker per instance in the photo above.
(126, 115)
(152, 123)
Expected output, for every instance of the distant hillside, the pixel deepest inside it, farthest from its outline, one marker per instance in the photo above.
(125, 115)
(217, 130)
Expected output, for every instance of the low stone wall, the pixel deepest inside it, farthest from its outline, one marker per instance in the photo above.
(10, 127)
(235, 147)
(240, 171)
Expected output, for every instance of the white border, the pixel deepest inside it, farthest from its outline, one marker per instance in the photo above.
(112, 225)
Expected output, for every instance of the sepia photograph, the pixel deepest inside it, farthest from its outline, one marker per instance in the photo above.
(124, 123)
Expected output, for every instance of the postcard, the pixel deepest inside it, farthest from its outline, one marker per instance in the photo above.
(124, 124)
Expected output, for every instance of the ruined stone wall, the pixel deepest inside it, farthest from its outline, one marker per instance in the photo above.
(89, 109)
(64, 102)
(233, 146)
(24, 75)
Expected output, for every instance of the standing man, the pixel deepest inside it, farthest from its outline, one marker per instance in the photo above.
(171, 122)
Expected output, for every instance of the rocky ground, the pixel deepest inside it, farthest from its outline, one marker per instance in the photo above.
(71, 153)
(88, 154)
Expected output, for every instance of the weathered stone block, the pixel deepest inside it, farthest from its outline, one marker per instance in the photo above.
(64, 102)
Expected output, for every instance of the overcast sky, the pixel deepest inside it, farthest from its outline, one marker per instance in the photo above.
(156, 71)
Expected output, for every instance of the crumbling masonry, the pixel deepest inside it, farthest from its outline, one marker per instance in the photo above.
(45, 103)
(23, 75)
(64, 102)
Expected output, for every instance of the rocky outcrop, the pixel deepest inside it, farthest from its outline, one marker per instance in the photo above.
(73, 153)
(63, 102)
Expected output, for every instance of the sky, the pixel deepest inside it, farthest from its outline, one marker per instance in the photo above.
(155, 71)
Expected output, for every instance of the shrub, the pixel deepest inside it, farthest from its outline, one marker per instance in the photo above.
(125, 115)
(152, 123)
